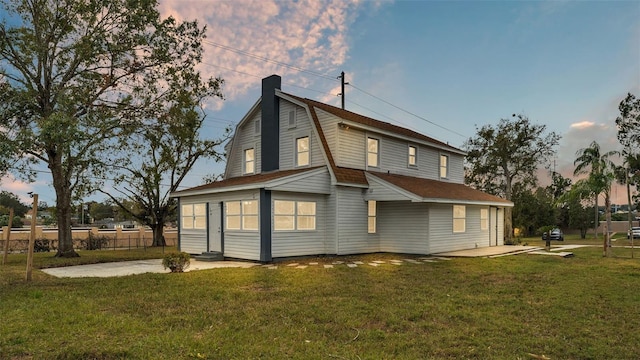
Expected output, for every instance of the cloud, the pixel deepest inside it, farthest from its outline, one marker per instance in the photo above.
(306, 34)
(582, 125)
(17, 187)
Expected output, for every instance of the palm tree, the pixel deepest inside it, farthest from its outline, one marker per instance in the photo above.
(601, 176)
(625, 175)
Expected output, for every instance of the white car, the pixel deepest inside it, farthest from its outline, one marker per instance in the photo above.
(635, 231)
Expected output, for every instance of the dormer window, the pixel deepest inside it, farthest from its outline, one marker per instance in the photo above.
(302, 151)
(249, 161)
(373, 152)
(412, 155)
(444, 166)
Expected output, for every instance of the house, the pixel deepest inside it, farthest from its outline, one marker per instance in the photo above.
(307, 178)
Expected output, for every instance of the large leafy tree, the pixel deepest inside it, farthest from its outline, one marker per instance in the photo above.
(629, 123)
(533, 209)
(75, 76)
(11, 200)
(169, 145)
(601, 174)
(501, 156)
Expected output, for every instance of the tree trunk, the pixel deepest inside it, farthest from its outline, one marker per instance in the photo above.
(508, 225)
(629, 210)
(597, 220)
(158, 235)
(607, 211)
(63, 210)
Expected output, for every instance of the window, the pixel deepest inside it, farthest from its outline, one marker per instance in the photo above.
(292, 119)
(249, 161)
(413, 156)
(371, 212)
(372, 152)
(294, 215)
(459, 218)
(444, 166)
(241, 215)
(484, 219)
(302, 151)
(194, 216)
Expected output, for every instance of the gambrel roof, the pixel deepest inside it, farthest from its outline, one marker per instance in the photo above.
(405, 187)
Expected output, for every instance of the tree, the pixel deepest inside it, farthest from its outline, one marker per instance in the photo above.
(170, 146)
(533, 209)
(579, 216)
(601, 174)
(500, 157)
(629, 123)
(101, 210)
(11, 200)
(74, 77)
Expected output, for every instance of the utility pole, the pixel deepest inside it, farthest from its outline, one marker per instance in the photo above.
(342, 84)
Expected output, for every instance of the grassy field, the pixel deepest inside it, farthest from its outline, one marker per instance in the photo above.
(585, 307)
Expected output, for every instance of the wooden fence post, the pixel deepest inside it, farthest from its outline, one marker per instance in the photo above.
(32, 237)
(6, 241)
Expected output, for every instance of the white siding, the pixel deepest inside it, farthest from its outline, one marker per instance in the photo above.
(329, 125)
(441, 235)
(456, 168)
(351, 145)
(320, 183)
(298, 243)
(288, 137)
(244, 138)
(403, 227)
(352, 223)
(237, 244)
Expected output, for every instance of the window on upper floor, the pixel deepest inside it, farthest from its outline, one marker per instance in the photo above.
(256, 127)
(459, 218)
(292, 119)
(412, 156)
(249, 161)
(484, 219)
(444, 166)
(193, 216)
(241, 215)
(371, 216)
(302, 151)
(373, 152)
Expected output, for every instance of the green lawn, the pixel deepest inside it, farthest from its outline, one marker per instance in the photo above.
(583, 307)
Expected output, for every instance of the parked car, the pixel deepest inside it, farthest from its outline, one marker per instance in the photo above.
(556, 234)
(635, 230)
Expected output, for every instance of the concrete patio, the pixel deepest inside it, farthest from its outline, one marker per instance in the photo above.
(490, 251)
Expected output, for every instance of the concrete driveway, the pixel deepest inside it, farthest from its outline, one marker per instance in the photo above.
(125, 268)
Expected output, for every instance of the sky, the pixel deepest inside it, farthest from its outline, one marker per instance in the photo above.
(442, 68)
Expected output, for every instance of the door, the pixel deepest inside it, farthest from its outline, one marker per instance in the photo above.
(493, 226)
(215, 227)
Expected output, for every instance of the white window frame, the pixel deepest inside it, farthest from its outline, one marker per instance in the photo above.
(413, 156)
(484, 219)
(292, 119)
(257, 127)
(246, 169)
(294, 214)
(372, 213)
(459, 218)
(376, 153)
(193, 216)
(245, 218)
(300, 153)
(444, 168)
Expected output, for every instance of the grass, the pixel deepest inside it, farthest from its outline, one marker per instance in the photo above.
(583, 307)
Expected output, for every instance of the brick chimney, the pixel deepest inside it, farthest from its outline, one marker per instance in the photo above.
(270, 124)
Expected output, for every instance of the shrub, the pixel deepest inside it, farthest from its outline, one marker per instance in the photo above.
(176, 262)
(94, 242)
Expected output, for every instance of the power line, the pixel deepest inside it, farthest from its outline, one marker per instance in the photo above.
(408, 112)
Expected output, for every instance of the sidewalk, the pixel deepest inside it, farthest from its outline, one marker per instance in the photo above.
(125, 268)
